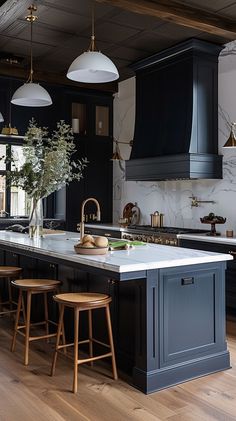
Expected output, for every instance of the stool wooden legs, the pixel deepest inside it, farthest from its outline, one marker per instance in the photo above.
(76, 344)
(9, 293)
(10, 301)
(90, 341)
(60, 330)
(13, 345)
(90, 324)
(27, 324)
(46, 314)
(111, 342)
(27, 327)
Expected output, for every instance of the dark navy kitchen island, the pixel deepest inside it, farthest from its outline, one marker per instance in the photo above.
(168, 303)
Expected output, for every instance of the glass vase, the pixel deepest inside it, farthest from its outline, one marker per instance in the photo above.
(36, 218)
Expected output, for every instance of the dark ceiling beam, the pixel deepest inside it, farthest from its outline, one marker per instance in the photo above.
(179, 14)
(11, 9)
(55, 79)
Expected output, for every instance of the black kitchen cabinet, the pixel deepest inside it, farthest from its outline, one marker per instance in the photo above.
(230, 279)
(95, 142)
(90, 112)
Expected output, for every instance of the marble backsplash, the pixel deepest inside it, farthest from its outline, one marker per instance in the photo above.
(173, 198)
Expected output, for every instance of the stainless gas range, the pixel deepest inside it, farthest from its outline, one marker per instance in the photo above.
(164, 235)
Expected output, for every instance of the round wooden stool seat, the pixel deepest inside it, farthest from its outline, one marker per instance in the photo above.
(10, 271)
(83, 299)
(36, 284)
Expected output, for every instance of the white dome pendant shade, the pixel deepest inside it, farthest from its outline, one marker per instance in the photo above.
(1, 118)
(92, 66)
(31, 94)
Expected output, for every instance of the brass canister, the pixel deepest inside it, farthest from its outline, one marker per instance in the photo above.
(157, 219)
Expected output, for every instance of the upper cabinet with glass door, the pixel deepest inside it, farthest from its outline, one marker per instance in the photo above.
(102, 120)
(79, 118)
(91, 115)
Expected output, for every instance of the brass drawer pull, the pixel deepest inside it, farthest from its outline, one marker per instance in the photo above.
(107, 235)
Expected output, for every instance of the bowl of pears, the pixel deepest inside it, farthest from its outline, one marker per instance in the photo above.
(91, 245)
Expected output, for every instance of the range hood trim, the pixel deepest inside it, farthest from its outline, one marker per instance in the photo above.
(192, 45)
(174, 167)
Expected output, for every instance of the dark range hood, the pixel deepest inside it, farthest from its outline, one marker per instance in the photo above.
(176, 124)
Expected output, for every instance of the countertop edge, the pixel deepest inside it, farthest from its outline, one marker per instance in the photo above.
(209, 239)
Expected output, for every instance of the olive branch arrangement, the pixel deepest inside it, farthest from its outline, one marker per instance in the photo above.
(48, 161)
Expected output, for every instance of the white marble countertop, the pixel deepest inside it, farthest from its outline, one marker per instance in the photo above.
(220, 239)
(112, 227)
(149, 256)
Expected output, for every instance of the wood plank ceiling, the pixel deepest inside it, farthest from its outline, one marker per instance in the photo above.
(125, 30)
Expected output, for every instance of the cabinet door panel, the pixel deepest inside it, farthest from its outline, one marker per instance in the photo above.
(46, 270)
(99, 177)
(190, 317)
(12, 259)
(29, 266)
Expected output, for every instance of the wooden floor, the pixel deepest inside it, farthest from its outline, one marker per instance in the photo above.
(29, 393)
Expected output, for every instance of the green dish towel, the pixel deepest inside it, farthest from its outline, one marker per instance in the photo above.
(121, 244)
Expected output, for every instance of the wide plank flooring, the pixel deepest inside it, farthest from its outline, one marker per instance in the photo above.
(29, 393)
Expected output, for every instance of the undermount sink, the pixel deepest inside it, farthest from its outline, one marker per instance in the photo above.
(73, 238)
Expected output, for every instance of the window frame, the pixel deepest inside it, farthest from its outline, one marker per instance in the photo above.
(48, 202)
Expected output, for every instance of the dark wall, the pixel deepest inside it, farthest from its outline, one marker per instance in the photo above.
(97, 179)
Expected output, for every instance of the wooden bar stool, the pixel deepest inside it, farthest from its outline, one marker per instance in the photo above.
(8, 273)
(32, 287)
(80, 302)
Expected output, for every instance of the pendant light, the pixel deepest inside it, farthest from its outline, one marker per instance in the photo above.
(231, 142)
(1, 118)
(31, 94)
(92, 66)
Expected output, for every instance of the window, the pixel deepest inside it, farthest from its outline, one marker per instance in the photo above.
(13, 200)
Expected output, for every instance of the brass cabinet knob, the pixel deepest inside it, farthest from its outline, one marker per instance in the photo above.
(111, 282)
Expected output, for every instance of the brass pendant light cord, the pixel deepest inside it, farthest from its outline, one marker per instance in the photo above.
(31, 18)
(92, 46)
